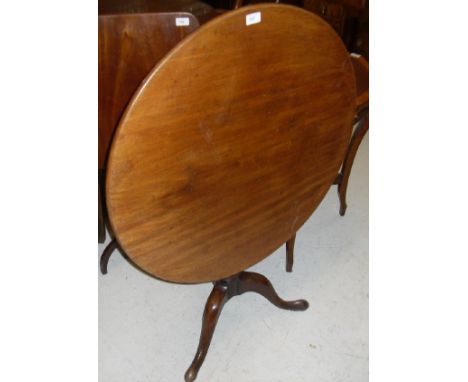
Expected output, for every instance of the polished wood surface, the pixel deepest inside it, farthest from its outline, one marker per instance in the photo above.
(129, 47)
(361, 126)
(214, 166)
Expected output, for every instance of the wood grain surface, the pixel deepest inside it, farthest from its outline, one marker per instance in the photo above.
(230, 144)
(129, 47)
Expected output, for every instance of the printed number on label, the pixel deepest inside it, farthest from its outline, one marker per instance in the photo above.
(182, 21)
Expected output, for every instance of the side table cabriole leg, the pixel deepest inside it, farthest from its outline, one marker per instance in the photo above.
(101, 213)
(101, 224)
(343, 176)
(224, 290)
(290, 253)
(106, 254)
(104, 220)
(218, 297)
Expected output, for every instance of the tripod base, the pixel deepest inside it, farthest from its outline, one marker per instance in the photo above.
(224, 290)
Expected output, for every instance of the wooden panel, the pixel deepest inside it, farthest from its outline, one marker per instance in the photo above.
(107, 7)
(202, 11)
(230, 144)
(361, 72)
(332, 12)
(348, 18)
(129, 46)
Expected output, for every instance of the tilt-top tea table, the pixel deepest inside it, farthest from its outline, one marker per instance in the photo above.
(227, 148)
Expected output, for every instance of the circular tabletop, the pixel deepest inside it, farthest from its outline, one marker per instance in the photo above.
(230, 143)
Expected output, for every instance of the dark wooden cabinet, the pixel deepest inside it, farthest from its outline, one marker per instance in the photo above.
(349, 18)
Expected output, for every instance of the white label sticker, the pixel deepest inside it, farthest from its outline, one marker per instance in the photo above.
(182, 21)
(253, 18)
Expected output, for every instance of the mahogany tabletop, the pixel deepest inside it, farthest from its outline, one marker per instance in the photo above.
(230, 143)
(129, 46)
